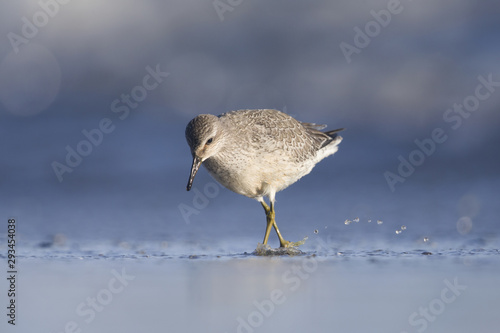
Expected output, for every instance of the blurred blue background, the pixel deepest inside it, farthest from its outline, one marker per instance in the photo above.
(66, 67)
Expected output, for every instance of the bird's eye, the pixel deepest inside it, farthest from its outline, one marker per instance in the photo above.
(209, 141)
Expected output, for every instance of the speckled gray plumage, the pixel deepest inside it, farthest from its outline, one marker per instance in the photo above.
(257, 153)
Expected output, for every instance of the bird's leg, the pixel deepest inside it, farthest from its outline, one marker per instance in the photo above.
(271, 222)
(283, 242)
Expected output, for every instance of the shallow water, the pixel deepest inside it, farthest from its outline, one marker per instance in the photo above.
(210, 291)
(224, 286)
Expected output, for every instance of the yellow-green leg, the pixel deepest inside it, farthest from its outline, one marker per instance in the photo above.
(271, 222)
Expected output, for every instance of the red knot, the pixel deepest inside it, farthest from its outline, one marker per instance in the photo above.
(258, 153)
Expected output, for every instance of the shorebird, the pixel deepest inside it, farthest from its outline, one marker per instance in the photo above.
(257, 153)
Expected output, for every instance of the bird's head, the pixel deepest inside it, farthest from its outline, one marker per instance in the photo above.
(204, 136)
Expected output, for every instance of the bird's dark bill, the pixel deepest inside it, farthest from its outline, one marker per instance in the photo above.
(194, 170)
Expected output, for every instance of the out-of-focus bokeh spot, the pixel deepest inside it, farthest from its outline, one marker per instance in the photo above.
(29, 80)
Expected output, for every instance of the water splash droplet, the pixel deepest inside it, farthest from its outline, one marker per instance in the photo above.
(426, 239)
(369, 221)
(403, 227)
(380, 221)
(398, 232)
(347, 222)
(356, 220)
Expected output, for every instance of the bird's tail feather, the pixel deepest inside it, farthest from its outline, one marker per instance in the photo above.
(333, 136)
(333, 133)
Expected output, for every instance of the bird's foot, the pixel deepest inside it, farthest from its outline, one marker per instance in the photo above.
(287, 244)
